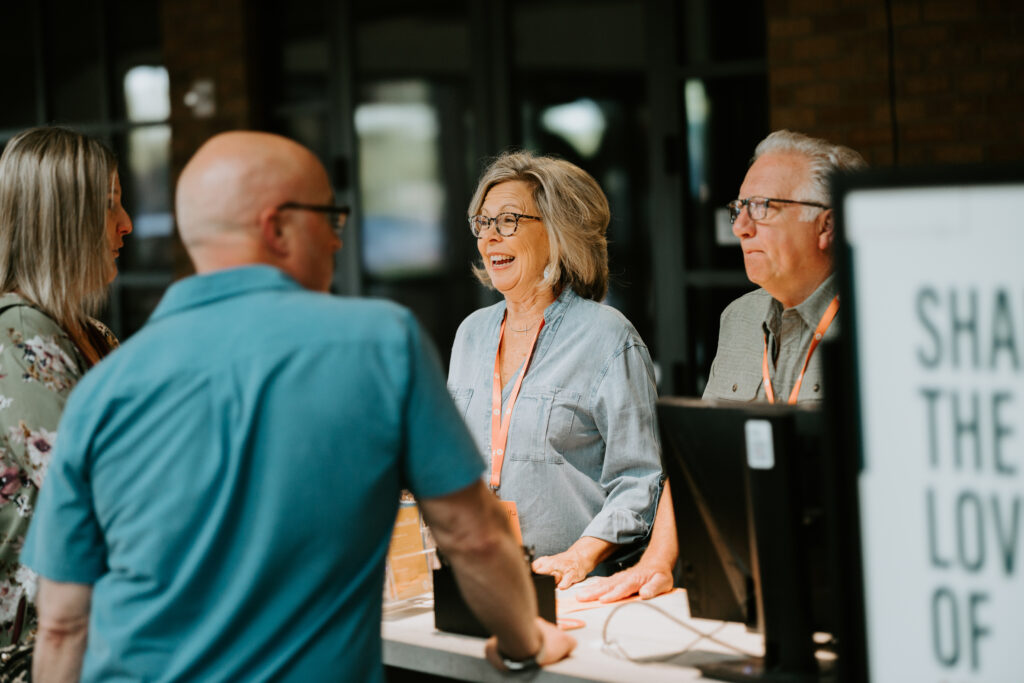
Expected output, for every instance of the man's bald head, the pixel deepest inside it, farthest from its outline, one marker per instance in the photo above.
(236, 175)
(227, 203)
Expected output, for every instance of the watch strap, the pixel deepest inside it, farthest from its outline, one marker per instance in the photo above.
(530, 663)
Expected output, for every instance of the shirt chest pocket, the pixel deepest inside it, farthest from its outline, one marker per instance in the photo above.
(542, 424)
(461, 396)
(737, 386)
(811, 389)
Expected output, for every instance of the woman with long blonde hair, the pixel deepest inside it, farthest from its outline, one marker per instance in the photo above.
(61, 228)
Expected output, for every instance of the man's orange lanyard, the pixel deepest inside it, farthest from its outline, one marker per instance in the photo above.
(819, 332)
(499, 426)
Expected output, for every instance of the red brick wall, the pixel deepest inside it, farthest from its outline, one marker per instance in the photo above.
(205, 40)
(958, 67)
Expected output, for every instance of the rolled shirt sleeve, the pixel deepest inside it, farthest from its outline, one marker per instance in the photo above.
(624, 402)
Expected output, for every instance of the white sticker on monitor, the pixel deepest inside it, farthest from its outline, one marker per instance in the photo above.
(760, 449)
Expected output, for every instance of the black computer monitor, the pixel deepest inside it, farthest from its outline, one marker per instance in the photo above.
(747, 488)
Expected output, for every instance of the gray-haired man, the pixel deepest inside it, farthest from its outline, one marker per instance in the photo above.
(767, 338)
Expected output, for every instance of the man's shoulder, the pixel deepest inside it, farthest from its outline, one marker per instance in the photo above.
(318, 315)
(752, 306)
(252, 327)
(742, 319)
(304, 298)
(347, 307)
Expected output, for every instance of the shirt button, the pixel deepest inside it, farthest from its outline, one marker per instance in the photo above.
(817, 387)
(735, 387)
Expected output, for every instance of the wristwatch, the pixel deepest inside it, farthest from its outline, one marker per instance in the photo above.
(521, 665)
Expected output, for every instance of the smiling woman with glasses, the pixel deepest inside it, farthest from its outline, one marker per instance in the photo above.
(556, 388)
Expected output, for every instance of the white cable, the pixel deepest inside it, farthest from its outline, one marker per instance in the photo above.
(611, 644)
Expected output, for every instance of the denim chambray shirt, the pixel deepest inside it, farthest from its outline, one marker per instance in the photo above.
(583, 456)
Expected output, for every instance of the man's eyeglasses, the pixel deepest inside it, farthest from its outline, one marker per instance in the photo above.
(505, 223)
(757, 207)
(337, 214)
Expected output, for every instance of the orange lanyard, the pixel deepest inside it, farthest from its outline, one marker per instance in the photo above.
(499, 426)
(819, 332)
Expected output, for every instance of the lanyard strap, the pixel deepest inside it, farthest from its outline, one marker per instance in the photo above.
(819, 332)
(499, 426)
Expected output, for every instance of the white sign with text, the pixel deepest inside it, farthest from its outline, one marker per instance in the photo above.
(938, 278)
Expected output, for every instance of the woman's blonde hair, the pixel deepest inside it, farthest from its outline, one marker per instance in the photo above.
(55, 187)
(575, 213)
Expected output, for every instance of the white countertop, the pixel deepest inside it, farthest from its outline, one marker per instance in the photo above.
(652, 640)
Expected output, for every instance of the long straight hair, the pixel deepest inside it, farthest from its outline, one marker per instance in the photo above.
(55, 187)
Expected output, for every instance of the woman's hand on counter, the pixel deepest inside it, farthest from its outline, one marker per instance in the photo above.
(556, 645)
(573, 565)
(648, 579)
(652, 575)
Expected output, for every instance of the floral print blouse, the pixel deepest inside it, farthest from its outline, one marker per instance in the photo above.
(39, 365)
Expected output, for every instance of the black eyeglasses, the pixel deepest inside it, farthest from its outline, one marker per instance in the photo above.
(506, 223)
(757, 207)
(338, 214)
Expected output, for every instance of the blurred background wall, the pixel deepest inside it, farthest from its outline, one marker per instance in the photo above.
(405, 101)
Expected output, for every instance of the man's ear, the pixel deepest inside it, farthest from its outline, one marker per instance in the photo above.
(272, 232)
(826, 229)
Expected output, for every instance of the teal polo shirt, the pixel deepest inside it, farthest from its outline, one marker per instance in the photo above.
(228, 479)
